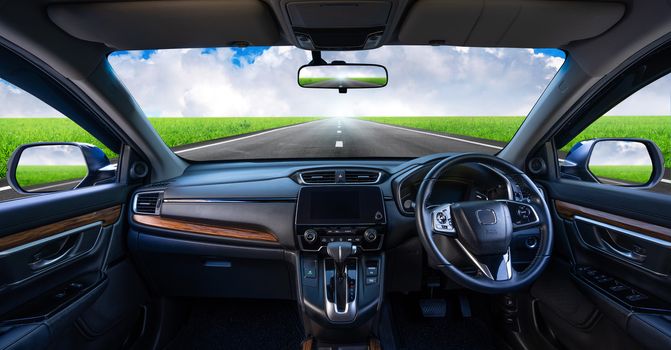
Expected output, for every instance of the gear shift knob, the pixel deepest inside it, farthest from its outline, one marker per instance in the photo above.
(340, 251)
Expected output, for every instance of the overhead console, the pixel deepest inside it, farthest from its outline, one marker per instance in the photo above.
(341, 25)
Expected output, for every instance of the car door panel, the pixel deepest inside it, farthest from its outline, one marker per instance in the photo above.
(618, 263)
(55, 266)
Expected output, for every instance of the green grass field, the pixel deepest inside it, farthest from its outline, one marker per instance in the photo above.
(174, 131)
(635, 174)
(502, 129)
(373, 80)
(33, 175)
(181, 131)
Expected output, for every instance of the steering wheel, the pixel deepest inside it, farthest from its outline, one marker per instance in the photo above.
(483, 229)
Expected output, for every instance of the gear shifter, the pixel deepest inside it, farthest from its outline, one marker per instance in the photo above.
(340, 251)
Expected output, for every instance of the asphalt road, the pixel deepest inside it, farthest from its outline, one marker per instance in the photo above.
(330, 138)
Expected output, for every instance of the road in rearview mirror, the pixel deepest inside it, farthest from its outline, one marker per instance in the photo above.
(342, 76)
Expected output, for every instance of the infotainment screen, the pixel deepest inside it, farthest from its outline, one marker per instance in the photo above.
(340, 205)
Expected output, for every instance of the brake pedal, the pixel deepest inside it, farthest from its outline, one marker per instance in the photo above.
(433, 307)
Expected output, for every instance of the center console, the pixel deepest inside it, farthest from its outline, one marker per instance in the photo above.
(340, 231)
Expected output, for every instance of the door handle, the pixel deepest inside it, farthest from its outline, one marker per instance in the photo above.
(63, 251)
(615, 248)
(45, 262)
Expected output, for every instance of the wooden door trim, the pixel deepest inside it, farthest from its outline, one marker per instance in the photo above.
(107, 216)
(570, 210)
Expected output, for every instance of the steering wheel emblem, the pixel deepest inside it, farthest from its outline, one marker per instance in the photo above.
(486, 216)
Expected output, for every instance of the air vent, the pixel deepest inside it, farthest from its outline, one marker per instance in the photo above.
(147, 203)
(319, 177)
(361, 176)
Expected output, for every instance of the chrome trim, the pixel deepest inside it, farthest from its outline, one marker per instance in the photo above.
(223, 200)
(437, 226)
(379, 176)
(624, 231)
(157, 210)
(483, 268)
(50, 238)
(302, 181)
(350, 307)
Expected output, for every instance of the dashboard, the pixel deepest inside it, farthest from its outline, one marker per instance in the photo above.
(251, 215)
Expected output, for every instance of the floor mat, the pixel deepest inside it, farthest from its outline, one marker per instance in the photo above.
(446, 333)
(240, 324)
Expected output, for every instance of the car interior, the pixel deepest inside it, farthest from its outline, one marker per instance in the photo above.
(517, 247)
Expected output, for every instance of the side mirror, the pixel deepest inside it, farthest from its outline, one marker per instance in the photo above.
(624, 162)
(51, 167)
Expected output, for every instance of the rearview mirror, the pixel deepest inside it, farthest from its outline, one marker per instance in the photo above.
(622, 162)
(50, 167)
(342, 76)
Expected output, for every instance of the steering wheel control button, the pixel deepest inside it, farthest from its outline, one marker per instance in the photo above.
(441, 218)
(442, 221)
(522, 214)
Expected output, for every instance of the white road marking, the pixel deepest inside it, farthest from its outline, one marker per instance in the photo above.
(7, 188)
(240, 138)
(666, 181)
(438, 135)
(339, 132)
(338, 144)
(56, 185)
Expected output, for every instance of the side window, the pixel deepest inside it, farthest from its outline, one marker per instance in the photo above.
(51, 152)
(623, 146)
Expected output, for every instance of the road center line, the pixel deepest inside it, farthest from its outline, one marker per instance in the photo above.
(240, 138)
(5, 188)
(339, 132)
(338, 144)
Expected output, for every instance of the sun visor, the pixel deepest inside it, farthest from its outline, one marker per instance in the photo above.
(168, 24)
(507, 23)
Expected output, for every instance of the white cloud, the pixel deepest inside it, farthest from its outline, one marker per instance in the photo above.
(15, 102)
(52, 155)
(620, 153)
(422, 81)
(654, 99)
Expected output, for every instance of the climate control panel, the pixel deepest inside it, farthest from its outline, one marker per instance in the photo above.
(314, 238)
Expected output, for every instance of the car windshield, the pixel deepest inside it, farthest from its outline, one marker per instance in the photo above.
(246, 103)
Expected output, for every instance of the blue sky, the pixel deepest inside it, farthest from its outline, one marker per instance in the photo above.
(249, 54)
